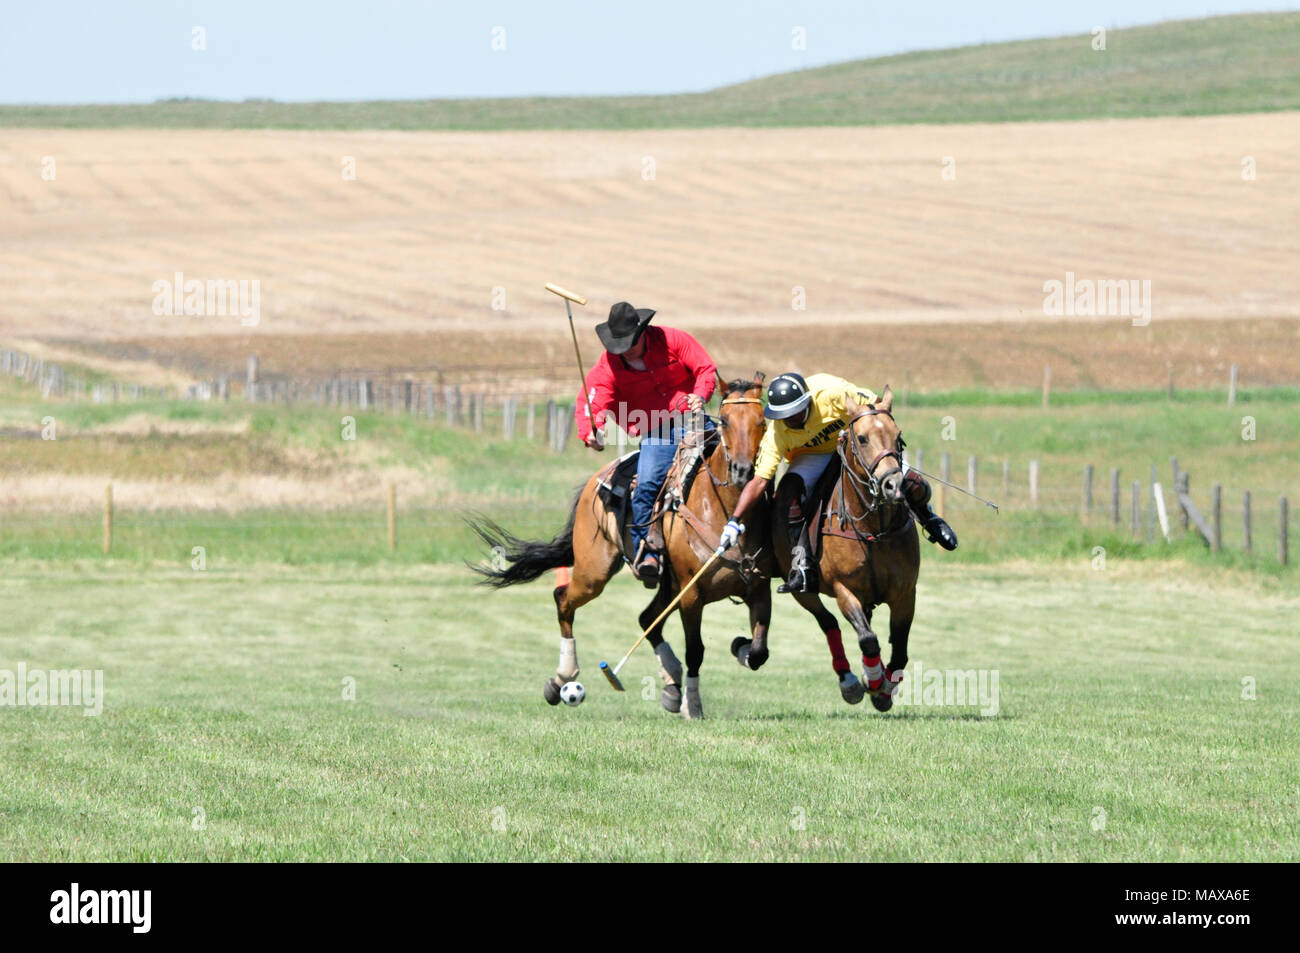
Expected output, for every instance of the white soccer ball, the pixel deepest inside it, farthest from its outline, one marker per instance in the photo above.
(572, 693)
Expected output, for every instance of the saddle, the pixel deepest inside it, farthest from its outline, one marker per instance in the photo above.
(696, 447)
(615, 484)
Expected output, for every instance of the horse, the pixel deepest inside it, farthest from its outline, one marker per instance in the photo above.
(692, 529)
(591, 543)
(870, 554)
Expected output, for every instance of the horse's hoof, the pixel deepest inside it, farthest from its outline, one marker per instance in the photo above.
(881, 701)
(851, 689)
(671, 699)
(551, 691)
(737, 644)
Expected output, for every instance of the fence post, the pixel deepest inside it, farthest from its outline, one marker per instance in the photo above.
(1137, 509)
(1247, 542)
(479, 401)
(392, 517)
(1162, 514)
(1033, 482)
(1232, 385)
(250, 387)
(108, 519)
(1047, 384)
(1114, 497)
(1216, 517)
(1087, 492)
(1281, 530)
(920, 455)
(530, 428)
(945, 467)
(508, 417)
(972, 468)
(1151, 506)
(1185, 489)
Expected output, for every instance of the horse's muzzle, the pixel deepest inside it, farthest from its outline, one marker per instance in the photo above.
(739, 474)
(892, 487)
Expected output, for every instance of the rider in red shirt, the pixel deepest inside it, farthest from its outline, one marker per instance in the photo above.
(649, 379)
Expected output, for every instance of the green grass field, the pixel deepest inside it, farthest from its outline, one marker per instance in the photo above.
(1120, 688)
(1234, 64)
(1120, 691)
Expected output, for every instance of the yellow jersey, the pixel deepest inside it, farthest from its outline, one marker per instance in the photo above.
(827, 416)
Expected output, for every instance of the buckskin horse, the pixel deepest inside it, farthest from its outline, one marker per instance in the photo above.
(594, 543)
(869, 555)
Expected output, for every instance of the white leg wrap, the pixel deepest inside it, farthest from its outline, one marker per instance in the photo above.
(568, 667)
(694, 707)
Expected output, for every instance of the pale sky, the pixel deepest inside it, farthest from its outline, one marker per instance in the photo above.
(66, 51)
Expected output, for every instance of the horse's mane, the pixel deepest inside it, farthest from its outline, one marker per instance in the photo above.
(740, 385)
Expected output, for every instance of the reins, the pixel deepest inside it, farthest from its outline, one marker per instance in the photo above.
(866, 486)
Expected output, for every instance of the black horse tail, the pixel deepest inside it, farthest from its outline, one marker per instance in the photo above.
(518, 560)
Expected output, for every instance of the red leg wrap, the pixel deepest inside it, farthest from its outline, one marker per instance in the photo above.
(835, 642)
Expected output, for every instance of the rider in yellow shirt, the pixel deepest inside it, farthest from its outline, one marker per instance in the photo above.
(807, 417)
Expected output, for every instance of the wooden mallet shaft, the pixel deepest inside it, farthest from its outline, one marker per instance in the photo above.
(612, 674)
(582, 373)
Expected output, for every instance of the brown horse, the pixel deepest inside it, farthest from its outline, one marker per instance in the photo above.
(591, 544)
(870, 554)
(691, 533)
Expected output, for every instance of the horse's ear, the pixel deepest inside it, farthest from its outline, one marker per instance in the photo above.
(759, 377)
(886, 399)
(721, 387)
(851, 406)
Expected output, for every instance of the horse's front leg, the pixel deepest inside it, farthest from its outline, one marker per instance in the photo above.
(691, 610)
(670, 669)
(752, 652)
(901, 613)
(851, 689)
(873, 673)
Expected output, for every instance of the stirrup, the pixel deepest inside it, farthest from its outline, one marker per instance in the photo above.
(797, 581)
(648, 567)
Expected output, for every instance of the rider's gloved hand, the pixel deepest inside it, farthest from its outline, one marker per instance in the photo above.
(730, 535)
(596, 441)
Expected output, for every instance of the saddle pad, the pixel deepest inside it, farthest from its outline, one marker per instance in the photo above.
(614, 482)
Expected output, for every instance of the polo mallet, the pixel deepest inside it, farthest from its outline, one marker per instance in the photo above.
(582, 373)
(612, 673)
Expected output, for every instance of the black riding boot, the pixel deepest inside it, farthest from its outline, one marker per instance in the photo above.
(803, 575)
(917, 493)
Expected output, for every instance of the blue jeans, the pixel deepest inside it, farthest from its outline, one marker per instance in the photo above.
(657, 451)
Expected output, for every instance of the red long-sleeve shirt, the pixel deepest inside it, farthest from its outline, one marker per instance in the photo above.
(675, 365)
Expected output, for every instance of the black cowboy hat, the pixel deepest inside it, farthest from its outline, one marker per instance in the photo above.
(624, 326)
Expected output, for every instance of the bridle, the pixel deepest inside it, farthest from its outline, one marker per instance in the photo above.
(874, 494)
(722, 436)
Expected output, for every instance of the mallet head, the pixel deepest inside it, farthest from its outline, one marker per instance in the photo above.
(613, 679)
(564, 293)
